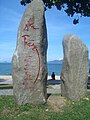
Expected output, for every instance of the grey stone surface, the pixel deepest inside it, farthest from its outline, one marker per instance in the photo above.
(75, 68)
(29, 61)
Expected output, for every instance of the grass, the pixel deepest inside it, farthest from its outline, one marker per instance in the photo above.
(9, 110)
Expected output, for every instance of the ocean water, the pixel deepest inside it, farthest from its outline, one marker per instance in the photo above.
(54, 68)
(6, 68)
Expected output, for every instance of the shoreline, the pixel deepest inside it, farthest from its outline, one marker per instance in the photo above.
(5, 77)
(52, 88)
(9, 77)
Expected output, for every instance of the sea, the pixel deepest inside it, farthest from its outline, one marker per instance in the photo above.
(6, 68)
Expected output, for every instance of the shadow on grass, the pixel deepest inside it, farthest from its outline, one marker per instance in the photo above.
(88, 87)
(48, 95)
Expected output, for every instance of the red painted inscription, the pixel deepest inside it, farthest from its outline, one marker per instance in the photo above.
(29, 76)
(30, 25)
(30, 64)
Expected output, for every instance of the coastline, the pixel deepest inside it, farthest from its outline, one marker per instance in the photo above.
(9, 77)
(57, 77)
(5, 77)
(52, 88)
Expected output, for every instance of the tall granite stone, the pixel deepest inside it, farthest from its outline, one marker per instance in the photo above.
(29, 61)
(75, 68)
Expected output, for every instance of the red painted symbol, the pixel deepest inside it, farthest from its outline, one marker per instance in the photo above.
(28, 66)
(29, 63)
(25, 38)
(29, 25)
(29, 80)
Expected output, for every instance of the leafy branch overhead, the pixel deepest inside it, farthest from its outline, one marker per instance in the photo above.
(71, 7)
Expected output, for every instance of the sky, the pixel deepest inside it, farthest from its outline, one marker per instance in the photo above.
(58, 25)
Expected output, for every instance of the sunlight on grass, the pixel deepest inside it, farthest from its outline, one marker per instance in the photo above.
(9, 110)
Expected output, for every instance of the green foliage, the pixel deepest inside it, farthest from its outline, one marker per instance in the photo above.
(9, 110)
(71, 7)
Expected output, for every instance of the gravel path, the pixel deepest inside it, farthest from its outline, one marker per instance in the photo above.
(6, 92)
(10, 91)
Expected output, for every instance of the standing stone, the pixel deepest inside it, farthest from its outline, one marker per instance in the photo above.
(75, 68)
(30, 58)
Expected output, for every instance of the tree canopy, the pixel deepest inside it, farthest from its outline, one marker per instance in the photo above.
(71, 7)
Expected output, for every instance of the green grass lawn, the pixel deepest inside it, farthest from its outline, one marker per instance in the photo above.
(9, 110)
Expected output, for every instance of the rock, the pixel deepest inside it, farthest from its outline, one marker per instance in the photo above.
(75, 68)
(57, 103)
(29, 61)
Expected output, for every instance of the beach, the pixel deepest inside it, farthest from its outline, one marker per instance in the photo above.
(5, 77)
(53, 86)
(9, 77)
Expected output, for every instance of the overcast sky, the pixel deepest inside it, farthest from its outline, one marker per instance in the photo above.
(58, 25)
